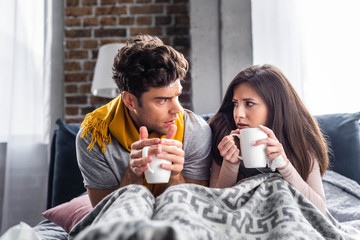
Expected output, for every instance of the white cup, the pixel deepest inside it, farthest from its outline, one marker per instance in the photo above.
(156, 174)
(252, 156)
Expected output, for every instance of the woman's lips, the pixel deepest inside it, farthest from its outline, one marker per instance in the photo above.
(242, 126)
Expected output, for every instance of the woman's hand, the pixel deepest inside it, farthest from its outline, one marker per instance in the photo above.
(274, 148)
(228, 149)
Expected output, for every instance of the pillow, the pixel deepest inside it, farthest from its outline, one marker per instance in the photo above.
(68, 214)
(343, 134)
(65, 179)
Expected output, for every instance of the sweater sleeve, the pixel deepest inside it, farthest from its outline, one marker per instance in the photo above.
(312, 188)
(225, 175)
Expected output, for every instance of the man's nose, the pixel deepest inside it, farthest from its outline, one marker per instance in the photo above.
(175, 107)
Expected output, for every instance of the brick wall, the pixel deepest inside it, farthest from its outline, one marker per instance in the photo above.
(90, 24)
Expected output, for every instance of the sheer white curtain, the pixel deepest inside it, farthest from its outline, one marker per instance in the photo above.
(316, 45)
(25, 103)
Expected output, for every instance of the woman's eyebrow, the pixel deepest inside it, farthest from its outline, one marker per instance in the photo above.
(247, 99)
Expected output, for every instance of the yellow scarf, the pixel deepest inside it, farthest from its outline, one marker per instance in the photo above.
(114, 118)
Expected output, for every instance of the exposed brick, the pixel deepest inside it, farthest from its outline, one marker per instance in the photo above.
(99, 100)
(66, 54)
(185, 52)
(177, 9)
(78, 54)
(107, 2)
(75, 77)
(177, 31)
(74, 120)
(89, 65)
(77, 33)
(76, 99)
(182, 20)
(94, 54)
(78, 11)
(182, 41)
(86, 110)
(90, 22)
(151, 31)
(71, 88)
(126, 20)
(72, 66)
(162, 20)
(110, 10)
(91, 75)
(107, 41)
(166, 40)
(111, 21)
(73, 22)
(144, 20)
(89, 2)
(72, 44)
(146, 9)
(90, 43)
(85, 88)
(72, 3)
(110, 32)
(71, 110)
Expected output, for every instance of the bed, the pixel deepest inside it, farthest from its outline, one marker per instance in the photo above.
(262, 207)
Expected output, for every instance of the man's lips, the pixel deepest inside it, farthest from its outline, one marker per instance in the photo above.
(170, 122)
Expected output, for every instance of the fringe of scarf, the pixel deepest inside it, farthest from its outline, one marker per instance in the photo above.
(114, 119)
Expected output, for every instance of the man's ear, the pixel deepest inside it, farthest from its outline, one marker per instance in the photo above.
(129, 100)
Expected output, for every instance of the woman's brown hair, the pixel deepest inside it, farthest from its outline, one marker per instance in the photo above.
(289, 119)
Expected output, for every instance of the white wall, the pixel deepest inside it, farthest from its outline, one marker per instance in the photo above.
(221, 46)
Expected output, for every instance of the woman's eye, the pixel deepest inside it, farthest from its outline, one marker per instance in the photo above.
(235, 104)
(249, 104)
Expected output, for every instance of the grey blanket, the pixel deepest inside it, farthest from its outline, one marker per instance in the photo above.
(261, 207)
(342, 198)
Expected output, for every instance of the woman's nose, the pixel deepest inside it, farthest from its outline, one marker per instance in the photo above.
(240, 112)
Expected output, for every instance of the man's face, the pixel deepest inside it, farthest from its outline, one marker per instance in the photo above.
(158, 109)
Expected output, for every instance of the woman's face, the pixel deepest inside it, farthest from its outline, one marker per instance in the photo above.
(250, 110)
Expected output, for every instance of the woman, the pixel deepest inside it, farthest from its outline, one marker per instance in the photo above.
(261, 96)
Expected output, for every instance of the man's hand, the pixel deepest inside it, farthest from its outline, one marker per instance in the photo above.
(139, 164)
(172, 150)
(134, 173)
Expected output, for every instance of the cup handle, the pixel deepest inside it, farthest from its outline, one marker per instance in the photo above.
(237, 135)
(145, 154)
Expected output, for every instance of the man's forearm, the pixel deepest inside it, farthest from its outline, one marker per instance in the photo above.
(130, 178)
(175, 179)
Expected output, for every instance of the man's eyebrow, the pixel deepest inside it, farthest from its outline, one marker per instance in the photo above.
(163, 97)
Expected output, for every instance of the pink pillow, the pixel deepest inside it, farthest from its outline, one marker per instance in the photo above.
(66, 215)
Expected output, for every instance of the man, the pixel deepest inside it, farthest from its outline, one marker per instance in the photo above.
(110, 142)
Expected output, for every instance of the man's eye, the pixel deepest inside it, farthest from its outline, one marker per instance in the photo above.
(162, 101)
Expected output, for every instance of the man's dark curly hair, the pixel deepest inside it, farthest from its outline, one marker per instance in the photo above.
(146, 62)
